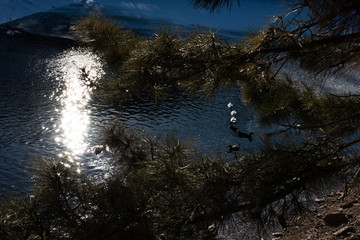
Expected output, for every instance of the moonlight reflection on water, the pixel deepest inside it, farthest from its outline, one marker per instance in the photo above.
(74, 69)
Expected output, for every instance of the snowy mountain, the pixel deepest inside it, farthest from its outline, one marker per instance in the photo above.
(42, 18)
(249, 14)
(13, 9)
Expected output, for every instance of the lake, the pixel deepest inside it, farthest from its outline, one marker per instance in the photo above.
(47, 111)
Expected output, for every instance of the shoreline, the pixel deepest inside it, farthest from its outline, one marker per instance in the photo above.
(336, 217)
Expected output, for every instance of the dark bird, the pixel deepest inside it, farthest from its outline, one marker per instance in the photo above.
(232, 148)
(244, 135)
(232, 126)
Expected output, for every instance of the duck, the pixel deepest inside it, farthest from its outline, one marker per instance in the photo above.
(232, 126)
(233, 120)
(245, 135)
(98, 149)
(233, 113)
(232, 148)
(230, 105)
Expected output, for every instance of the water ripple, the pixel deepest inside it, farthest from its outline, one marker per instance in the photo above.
(46, 109)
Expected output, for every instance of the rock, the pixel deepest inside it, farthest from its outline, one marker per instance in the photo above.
(212, 228)
(210, 233)
(277, 234)
(335, 219)
(345, 231)
(319, 200)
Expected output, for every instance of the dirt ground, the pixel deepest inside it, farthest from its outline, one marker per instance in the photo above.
(337, 217)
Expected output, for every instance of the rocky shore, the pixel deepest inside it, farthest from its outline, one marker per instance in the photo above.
(337, 217)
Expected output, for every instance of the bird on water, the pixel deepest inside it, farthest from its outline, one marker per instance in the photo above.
(244, 135)
(232, 148)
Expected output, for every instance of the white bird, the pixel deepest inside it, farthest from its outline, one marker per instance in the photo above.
(233, 113)
(230, 105)
(233, 120)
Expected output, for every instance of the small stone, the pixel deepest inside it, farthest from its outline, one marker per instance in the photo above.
(335, 219)
(277, 234)
(341, 195)
(319, 200)
(345, 231)
(212, 228)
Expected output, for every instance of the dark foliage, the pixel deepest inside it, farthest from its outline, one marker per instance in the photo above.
(163, 187)
(213, 5)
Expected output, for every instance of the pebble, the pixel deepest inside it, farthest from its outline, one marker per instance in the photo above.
(319, 200)
(277, 234)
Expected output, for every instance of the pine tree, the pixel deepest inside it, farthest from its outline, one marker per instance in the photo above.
(166, 189)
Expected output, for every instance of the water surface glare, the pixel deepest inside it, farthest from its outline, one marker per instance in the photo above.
(73, 70)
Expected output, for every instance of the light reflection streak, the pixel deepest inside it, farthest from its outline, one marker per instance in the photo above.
(73, 69)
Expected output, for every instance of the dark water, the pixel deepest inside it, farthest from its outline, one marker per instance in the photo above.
(23, 109)
(205, 121)
(47, 111)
